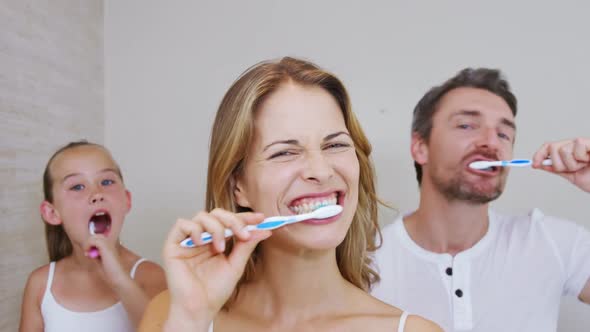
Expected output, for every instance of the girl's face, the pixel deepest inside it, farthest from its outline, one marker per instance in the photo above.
(302, 157)
(86, 187)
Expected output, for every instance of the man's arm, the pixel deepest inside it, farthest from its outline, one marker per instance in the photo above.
(585, 294)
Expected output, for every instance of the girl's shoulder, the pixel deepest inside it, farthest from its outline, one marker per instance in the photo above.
(149, 275)
(37, 282)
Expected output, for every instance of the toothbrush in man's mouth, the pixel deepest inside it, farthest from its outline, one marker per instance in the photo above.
(488, 164)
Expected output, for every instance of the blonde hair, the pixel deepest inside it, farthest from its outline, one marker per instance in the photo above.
(232, 135)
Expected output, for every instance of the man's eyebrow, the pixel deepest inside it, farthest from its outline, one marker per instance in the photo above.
(475, 113)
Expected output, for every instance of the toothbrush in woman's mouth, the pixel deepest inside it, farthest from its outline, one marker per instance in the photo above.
(273, 223)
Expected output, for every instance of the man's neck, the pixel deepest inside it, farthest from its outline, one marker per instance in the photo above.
(443, 226)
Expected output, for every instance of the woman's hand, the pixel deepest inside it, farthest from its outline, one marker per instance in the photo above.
(201, 279)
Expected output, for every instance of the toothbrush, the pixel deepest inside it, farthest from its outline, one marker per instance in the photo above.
(93, 252)
(273, 223)
(482, 164)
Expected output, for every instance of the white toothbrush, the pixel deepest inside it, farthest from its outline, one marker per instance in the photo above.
(273, 223)
(483, 164)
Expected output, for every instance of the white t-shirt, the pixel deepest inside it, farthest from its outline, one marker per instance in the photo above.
(511, 280)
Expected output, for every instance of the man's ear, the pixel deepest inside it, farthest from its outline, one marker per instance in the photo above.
(49, 213)
(419, 149)
(239, 193)
(128, 195)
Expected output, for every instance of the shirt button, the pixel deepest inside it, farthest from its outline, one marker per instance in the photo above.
(459, 293)
(449, 271)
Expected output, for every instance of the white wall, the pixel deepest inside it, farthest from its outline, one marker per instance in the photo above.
(51, 92)
(167, 65)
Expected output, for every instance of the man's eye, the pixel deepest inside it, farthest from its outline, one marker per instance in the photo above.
(504, 136)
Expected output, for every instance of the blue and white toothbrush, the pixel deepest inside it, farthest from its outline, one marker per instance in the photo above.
(273, 223)
(483, 164)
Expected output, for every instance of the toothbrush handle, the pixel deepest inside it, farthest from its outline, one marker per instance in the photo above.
(206, 237)
(547, 162)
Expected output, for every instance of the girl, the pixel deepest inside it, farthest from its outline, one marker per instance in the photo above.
(92, 283)
(284, 141)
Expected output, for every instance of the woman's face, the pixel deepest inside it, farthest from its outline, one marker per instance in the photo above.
(302, 157)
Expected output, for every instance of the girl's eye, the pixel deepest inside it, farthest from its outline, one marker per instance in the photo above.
(77, 187)
(107, 182)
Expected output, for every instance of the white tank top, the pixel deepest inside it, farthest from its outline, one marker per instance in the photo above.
(400, 327)
(57, 318)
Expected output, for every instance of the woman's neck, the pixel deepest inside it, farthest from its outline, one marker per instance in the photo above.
(294, 285)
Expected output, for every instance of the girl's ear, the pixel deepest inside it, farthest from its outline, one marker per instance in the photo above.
(50, 214)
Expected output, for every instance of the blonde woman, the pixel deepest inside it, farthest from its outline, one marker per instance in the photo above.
(284, 140)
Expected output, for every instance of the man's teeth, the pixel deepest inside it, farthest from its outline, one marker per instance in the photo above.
(99, 214)
(312, 206)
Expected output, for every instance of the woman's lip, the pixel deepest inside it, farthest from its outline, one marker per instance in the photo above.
(315, 195)
(318, 222)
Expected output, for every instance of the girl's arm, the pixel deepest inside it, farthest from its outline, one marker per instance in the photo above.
(31, 318)
(136, 294)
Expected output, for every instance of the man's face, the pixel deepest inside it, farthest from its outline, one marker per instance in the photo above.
(469, 125)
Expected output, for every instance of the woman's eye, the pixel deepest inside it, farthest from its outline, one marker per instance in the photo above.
(279, 154)
(337, 146)
(77, 187)
(107, 182)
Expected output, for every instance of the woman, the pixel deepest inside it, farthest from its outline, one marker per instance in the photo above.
(284, 141)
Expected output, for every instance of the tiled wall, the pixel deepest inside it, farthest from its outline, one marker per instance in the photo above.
(51, 92)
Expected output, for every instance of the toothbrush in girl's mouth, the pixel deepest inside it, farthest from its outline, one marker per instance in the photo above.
(484, 164)
(93, 252)
(273, 223)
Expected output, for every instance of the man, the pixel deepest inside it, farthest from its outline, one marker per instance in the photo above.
(455, 261)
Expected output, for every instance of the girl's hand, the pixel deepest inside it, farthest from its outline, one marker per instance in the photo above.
(201, 279)
(112, 266)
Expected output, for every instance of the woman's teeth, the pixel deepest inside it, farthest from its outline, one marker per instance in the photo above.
(310, 206)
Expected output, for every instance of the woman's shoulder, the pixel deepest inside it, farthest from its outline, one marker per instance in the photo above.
(390, 314)
(156, 313)
(419, 324)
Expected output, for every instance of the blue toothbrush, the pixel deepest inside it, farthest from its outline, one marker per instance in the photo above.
(273, 223)
(483, 164)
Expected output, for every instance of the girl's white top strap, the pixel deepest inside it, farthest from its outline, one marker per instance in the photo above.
(402, 321)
